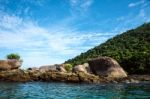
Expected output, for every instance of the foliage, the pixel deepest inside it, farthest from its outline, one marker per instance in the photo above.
(13, 56)
(131, 49)
(68, 67)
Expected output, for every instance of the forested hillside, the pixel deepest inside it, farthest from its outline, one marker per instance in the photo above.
(131, 49)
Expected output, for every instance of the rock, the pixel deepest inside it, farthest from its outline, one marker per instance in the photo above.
(48, 68)
(10, 64)
(88, 78)
(35, 75)
(61, 68)
(33, 69)
(87, 67)
(140, 77)
(126, 81)
(60, 76)
(114, 82)
(71, 77)
(106, 66)
(79, 68)
(14, 75)
(134, 81)
(82, 68)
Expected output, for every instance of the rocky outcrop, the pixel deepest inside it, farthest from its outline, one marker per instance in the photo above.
(107, 70)
(55, 68)
(10, 64)
(59, 76)
(14, 75)
(18, 75)
(106, 66)
(48, 68)
(23, 76)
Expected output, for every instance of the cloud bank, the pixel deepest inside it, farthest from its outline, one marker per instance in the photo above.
(38, 45)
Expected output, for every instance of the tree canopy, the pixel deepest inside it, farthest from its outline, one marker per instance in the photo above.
(131, 49)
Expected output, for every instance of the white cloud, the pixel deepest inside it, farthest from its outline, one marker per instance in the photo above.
(38, 45)
(81, 5)
(74, 2)
(9, 22)
(136, 3)
(86, 4)
(132, 20)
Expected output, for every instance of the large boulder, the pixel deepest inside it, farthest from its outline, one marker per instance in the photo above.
(106, 66)
(10, 64)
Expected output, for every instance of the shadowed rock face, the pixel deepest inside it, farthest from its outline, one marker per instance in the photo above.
(106, 66)
(10, 64)
(61, 68)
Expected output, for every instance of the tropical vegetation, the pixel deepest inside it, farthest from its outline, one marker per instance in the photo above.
(131, 49)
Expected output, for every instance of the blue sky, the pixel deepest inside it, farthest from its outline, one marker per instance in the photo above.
(52, 31)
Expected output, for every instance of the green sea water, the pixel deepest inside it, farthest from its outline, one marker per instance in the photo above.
(51, 90)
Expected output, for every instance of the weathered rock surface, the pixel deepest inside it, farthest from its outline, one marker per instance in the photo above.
(54, 68)
(14, 75)
(10, 64)
(61, 68)
(37, 75)
(59, 76)
(108, 67)
(48, 68)
(79, 68)
(28, 75)
(82, 68)
(87, 67)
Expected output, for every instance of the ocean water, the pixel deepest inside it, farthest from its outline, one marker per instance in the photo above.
(49, 90)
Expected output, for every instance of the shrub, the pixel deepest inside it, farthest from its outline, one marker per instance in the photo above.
(68, 67)
(13, 56)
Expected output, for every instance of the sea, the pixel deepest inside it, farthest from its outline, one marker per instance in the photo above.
(59, 90)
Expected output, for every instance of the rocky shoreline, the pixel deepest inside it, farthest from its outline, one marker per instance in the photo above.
(80, 77)
(99, 70)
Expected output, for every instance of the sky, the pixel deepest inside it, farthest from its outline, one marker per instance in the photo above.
(46, 32)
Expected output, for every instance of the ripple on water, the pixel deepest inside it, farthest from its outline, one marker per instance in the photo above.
(45, 90)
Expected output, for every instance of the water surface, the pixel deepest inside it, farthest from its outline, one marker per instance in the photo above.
(48, 90)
